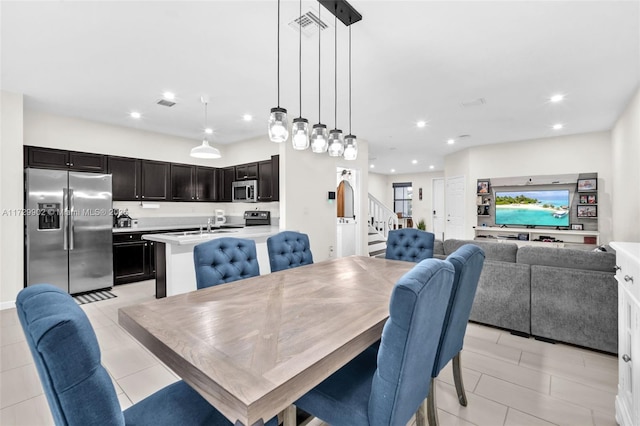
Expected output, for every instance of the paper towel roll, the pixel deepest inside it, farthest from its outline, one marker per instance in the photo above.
(219, 217)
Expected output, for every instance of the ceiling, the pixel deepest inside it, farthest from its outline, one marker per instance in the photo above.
(411, 61)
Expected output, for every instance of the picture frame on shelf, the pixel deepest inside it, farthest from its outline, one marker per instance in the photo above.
(577, 227)
(592, 199)
(588, 211)
(483, 186)
(587, 184)
(583, 199)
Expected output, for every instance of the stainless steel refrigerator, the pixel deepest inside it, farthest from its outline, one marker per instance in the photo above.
(69, 225)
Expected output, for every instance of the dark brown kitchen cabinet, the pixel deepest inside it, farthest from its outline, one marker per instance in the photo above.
(192, 183)
(224, 178)
(125, 178)
(133, 258)
(268, 179)
(247, 171)
(205, 184)
(182, 182)
(155, 181)
(48, 158)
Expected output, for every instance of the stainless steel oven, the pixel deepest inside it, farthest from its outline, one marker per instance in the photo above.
(245, 191)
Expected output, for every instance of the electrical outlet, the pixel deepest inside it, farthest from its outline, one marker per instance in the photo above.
(330, 251)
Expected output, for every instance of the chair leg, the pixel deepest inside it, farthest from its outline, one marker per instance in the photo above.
(432, 413)
(289, 416)
(457, 379)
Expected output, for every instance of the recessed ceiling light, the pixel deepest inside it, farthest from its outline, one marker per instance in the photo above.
(558, 126)
(372, 166)
(135, 114)
(393, 170)
(421, 123)
(414, 161)
(431, 166)
(451, 141)
(170, 96)
(557, 98)
(247, 117)
(208, 131)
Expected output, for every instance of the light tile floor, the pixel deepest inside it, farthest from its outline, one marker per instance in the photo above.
(510, 380)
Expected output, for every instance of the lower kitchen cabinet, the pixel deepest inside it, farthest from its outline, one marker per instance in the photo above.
(133, 258)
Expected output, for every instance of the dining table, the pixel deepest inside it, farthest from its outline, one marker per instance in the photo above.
(253, 347)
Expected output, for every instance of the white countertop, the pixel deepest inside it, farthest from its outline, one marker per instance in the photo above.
(630, 249)
(249, 232)
(155, 228)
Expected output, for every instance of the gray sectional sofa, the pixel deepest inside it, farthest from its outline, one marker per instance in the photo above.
(558, 294)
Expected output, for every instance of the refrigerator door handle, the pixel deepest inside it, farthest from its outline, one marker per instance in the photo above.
(71, 214)
(65, 221)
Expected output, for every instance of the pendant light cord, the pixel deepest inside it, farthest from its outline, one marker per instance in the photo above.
(319, 60)
(335, 75)
(350, 75)
(278, 53)
(300, 56)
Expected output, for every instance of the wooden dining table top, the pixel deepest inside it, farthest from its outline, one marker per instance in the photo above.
(253, 347)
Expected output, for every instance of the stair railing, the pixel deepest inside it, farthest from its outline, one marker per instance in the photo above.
(382, 218)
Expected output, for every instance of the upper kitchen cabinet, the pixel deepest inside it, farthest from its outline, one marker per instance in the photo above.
(192, 183)
(155, 181)
(269, 179)
(247, 171)
(126, 178)
(224, 177)
(48, 158)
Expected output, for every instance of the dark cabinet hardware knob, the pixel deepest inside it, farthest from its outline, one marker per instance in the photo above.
(626, 358)
(628, 278)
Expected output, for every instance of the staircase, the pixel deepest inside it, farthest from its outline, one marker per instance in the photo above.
(382, 220)
(377, 243)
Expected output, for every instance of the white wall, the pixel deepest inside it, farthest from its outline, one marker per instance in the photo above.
(625, 141)
(590, 152)
(305, 179)
(11, 197)
(379, 187)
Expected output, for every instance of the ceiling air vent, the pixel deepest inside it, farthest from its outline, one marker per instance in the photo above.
(473, 102)
(308, 23)
(166, 103)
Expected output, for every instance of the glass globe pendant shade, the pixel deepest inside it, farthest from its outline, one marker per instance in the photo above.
(350, 147)
(278, 125)
(205, 151)
(319, 138)
(300, 133)
(336, 147)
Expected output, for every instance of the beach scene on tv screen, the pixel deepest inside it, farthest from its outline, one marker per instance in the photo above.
(534, 208)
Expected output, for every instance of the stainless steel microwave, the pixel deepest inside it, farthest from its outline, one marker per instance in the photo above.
(245, 191)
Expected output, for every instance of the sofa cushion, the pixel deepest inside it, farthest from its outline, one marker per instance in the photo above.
(567, 258)
(438, 248)
(504, 252)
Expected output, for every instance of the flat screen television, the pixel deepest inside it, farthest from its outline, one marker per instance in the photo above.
(533, 208)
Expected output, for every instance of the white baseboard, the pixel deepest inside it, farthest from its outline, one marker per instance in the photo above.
(7, 305)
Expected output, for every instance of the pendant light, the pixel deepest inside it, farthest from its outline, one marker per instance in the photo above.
(300, 127)
(350, 141)
(336, 147)
(278, 124)
(319, 134)
(205, 150)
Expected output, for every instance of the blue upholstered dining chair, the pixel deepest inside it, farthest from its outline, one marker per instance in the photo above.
(467, 262)
(289, 249)
(223, 260)
(78, 388)
(386, 386)
(410, 244)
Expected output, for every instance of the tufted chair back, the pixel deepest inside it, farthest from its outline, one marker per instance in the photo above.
(67, 357)
(410, 244)
(223, 260)
(289, 249)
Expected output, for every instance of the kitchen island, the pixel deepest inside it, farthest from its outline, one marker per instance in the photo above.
(175, 272)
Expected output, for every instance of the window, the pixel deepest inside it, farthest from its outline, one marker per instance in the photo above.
(402, 194)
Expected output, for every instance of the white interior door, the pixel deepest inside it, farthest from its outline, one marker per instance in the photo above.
(454, 199)
(437, 218)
